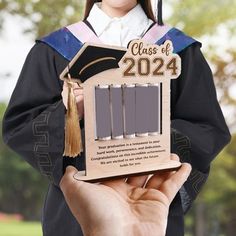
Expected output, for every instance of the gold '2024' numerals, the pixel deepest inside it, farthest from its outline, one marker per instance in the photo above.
(142, 66)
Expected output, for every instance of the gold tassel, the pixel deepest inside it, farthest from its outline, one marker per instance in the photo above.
(73, 141)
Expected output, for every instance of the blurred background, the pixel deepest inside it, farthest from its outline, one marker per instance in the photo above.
(212, 22)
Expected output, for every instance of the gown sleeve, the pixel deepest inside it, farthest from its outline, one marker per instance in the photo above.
(33, 124)
(199, 131)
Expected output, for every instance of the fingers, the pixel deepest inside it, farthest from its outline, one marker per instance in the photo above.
(79, 96)
(80, 106)
(78, 92)
(74, 85)
(137, 181)
(160, 176)
(174, 157)
(112, 182)
(155, 180)
(171, 186)
(64, 94)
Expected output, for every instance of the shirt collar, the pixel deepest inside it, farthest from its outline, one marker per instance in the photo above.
(135, 20)
(98, 19)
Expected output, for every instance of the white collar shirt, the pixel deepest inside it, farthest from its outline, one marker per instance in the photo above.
(119, 31)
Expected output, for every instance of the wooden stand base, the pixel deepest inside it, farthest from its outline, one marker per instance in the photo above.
(81, 175)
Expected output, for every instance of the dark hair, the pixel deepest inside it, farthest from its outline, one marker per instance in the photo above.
(146, 5)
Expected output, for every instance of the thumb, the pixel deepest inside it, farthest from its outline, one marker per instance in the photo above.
(68, 178)
(70, 171)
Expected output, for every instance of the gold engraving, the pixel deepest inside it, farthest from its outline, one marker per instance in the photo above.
(95, 61)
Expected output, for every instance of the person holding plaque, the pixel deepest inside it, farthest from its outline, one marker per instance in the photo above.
(34, 121)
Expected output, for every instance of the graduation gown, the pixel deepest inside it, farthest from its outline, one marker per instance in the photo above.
(33, 125)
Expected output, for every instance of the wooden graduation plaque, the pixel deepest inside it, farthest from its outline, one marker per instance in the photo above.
(127, 114)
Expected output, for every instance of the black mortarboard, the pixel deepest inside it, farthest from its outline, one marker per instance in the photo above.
(93, 59)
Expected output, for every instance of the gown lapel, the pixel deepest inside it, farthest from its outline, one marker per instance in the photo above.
(69, 40)
(83, 33)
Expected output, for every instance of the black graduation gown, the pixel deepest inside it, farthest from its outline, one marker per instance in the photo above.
(33, 126)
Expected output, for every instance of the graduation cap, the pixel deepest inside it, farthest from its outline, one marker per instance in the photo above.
(89, 61)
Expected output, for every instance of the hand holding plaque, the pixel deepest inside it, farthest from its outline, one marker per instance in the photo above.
(117, 207)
